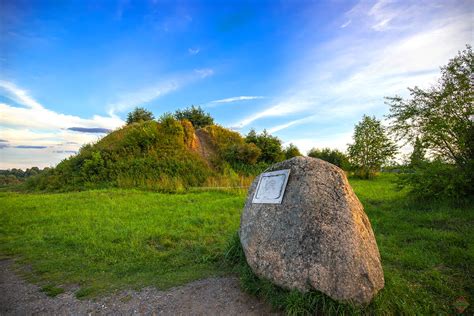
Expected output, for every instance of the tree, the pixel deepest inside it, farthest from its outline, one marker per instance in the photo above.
(441, 116)
(371, 148)
(195, 115)
(268, 144)
(417, 157)
(333, 156)
(292, 151)
(138, 115)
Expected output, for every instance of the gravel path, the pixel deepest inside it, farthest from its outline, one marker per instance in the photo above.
(213, 296)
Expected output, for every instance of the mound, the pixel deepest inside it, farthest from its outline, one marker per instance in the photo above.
(166, 156)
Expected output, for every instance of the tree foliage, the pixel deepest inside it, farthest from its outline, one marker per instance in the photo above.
(269, 145)
(196, 115)
(333, 156)
(417, 157)
(441, 116)
(138, 115)
(16, 176)
(292, 151)
(371, 149)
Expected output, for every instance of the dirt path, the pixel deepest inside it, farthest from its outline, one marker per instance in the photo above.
(213, 296)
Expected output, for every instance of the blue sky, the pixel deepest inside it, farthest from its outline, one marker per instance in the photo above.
(304, 70)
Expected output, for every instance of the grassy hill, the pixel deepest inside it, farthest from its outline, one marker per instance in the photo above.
(168, 156)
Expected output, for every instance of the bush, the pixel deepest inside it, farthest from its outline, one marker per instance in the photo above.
(139, 115)
(292, 151)
(269, 145)
(439, 181)
(195, 115)
(333, 156)
(244, 153)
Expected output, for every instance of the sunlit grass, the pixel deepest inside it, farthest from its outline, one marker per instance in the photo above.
(111, 239)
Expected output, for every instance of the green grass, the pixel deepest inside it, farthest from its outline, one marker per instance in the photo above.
(111, 239)
(52, 290)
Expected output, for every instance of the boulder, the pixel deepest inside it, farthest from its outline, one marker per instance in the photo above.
(318, 238)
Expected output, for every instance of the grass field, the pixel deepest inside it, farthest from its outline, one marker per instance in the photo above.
(109, 239)
(104, 240)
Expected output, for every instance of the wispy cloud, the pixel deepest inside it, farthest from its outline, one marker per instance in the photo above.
(133, 99)
(193, 51)
(204, 72)
(19, 95)
(129, 100)
(346, 24)
(234, 99)
(65, 151)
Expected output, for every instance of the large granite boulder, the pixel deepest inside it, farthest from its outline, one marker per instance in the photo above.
(319, 237)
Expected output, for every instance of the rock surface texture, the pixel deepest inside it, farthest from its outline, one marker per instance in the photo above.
(319, 237)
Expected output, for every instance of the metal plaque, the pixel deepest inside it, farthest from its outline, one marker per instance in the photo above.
(271, 187)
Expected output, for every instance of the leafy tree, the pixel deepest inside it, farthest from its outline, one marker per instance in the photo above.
(292, 151)
(333, 156)
(417, 157)
(195, 115)
(268, 144)
(441, 116)
(371, 148)
(138, 115)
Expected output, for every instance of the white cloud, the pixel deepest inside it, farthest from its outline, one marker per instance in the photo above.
(279, 109)
(346, 24)
(45, 119)
(204, 72)
(193, 51)
(235, 99)
(19, 95)
(35, 125)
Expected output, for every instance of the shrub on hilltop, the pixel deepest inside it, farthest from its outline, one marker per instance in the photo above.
(196, 115)
(138, 115)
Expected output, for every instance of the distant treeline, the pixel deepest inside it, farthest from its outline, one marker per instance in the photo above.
(16, 176)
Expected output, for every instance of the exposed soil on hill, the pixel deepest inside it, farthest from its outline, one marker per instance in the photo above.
(213, 296)
(204, 145)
